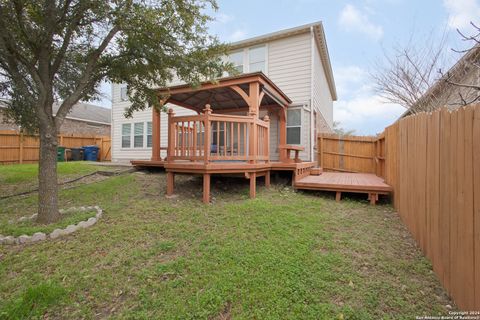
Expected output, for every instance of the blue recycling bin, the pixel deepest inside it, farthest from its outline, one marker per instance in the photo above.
(90, 153)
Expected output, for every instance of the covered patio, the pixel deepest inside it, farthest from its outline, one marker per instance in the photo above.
(228, 135)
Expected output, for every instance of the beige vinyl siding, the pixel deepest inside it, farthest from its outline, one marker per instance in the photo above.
(289, 64)
(274, 134)
(127, 154)
(322, 98)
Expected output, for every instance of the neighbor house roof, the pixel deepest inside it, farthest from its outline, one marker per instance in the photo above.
(88, 112)
(320, 40)
(459, 70)
(84, 112)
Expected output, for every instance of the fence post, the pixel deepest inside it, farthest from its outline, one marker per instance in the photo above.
(322, 146)
(20, 151)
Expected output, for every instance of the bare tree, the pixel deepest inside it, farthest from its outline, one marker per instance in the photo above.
(408, 72)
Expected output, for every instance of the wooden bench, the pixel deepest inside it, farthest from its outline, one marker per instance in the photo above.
(289, 148)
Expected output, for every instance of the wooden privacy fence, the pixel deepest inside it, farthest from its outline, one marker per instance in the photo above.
(19, 148)
(363, 154)
(433, 165)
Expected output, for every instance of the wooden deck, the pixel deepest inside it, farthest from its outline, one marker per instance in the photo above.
(346, 182)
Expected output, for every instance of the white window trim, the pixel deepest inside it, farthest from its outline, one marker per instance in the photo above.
(122, 135)
(246, 57)
(132, 136)
(302, 119)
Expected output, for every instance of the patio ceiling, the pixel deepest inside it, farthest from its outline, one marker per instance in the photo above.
(229, 93)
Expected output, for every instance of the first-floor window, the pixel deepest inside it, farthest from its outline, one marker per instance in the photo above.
(138, 135)
(149, 134)
(126, 133)
(294, 126)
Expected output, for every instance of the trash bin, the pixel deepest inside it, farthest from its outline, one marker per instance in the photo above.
(77, 154)
(60, 154)
(90, 153)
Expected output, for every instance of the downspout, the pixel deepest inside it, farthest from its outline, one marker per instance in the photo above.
(112, 124)
(312, 65)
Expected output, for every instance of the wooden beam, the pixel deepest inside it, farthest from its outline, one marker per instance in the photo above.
(243, 94)
(282, 124)
(182, 104)
(338, 196)
(267, 179)
(206, 188)
(170, 183)
(253, 185)
(254, 94)
(155, 134)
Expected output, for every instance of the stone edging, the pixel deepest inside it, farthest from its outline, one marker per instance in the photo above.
(40, 236)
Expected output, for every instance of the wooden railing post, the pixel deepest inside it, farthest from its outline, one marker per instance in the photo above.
(171, 137)
(207, 112)
(253, 139)
(267, 138)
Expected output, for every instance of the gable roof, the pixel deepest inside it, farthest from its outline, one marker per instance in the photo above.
(320, 40)
(84, 112)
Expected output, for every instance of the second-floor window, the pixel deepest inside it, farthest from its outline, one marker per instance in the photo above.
(251, 59)
(237, 59)
(256, 59)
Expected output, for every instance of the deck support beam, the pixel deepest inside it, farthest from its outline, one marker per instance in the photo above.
(338, 196)
(253, 184)
(373, 197)
(170, 183)
(267, 179)
(206, 188)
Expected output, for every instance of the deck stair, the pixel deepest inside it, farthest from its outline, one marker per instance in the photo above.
(316, 171)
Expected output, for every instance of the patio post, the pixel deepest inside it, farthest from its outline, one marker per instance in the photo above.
(207, 142)
(282, 123)
(155, 135)
(171, 137)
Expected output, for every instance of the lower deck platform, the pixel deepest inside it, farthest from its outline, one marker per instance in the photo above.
(346, 182)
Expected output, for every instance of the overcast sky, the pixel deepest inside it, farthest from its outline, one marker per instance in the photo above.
(358, 33)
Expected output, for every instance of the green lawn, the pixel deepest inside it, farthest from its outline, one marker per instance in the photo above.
(18, 178)
(284, 255)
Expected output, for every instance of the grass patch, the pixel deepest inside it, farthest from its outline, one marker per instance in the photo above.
(18, 173)
(29, 227)
(33, 302)
(284, 255)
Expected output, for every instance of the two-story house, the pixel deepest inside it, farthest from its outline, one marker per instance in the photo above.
(296, 60)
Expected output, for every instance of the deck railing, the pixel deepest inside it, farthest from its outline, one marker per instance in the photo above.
(214, 137)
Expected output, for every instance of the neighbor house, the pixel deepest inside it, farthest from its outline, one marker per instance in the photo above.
(295, 60)
(83, 120)
(456, 88)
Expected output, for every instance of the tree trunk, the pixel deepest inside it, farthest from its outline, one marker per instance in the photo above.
(47, 176)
